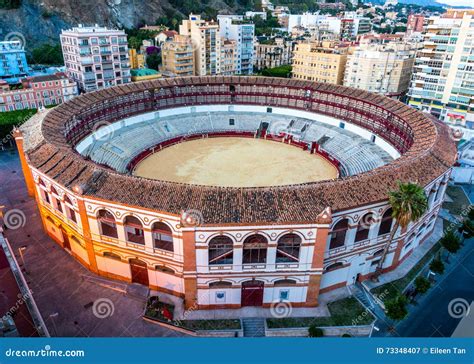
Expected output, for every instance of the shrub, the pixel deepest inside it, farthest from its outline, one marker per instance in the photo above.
(437, 265)
(422, 284)
(314, 331)
(396, 308)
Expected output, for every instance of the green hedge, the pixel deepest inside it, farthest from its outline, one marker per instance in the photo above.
(9, 119)
(345, 312)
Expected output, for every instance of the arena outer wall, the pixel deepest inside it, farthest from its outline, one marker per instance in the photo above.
(158, 233)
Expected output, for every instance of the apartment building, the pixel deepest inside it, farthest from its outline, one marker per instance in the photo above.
(36, 92)
(96, 57)
(206, 42)
(235, 28)
(137, 60)
(320, 61)
(13, 63)
(178, 56)
(443, 78)
(382, 67)
(229, 56)
(273, 52)
(415, 24)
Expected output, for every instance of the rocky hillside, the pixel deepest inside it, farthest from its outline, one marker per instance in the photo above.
(41, 21)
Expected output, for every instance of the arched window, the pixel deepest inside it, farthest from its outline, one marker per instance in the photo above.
(288, 248)
(378, 252)
(220, 284)
(255, 249)
(112, 255)
(41, 182)
(162, 236)
(334, 266)
(221, 250)
(134, 230)
(363, 227)
(107, 224)
(67, 200)
(338, 234)
(53, 190)
(285, 282)
(163, 269)
(57, 204)
(386, 223)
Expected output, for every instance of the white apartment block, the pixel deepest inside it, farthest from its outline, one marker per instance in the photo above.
(206, 42)
(382, 68)
(234, 27)
(96, 57)
(443, 78)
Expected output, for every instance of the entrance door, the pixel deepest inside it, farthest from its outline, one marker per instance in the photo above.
(66, 243)
(139, 272)
(252, 293)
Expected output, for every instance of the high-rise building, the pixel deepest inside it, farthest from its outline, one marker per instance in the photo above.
(206, 43)
(381, 67)
(12, 61)
(178, 56)
(96, 57)
(320, 61)
(443, 78)
(242, 31)
(229, 57)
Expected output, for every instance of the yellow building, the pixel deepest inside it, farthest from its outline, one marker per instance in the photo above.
(137, 60)
(320, 61)
(178, 56)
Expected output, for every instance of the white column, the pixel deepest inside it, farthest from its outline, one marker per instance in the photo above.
(148, 240)
(271, 257)
(238, 252)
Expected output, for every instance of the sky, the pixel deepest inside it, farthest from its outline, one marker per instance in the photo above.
(469, 3)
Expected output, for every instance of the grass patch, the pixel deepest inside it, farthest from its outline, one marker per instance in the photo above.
(390, 290)
(460, 201)
(345, 312)
(9, 119)
(196, 325)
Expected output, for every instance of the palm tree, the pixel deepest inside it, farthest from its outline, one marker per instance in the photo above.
(408, 204)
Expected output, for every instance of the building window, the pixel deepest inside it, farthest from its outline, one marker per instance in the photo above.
(288, 249)
(57, 205)
(134, 230)
(163, 269)
(220, 284)
(386, 223)
(255, 249)
(162, 236)
(284, 282)
(221, 250)
(338, 234)
(107, 224)
(334, 266)
(363, 228)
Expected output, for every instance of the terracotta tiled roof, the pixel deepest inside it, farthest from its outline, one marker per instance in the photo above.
(428, 150)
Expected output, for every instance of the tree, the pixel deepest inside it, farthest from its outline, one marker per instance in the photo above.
(47, 54)
(422, 284)
(450, 241)
(467, 229)
(408, 204)
(153, 61)
(396, 307)
(314, 331)
(437, 265)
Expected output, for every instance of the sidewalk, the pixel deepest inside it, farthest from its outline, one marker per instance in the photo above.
(405, 267)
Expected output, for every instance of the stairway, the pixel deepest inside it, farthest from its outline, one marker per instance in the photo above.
(254, 327)
(362, 296)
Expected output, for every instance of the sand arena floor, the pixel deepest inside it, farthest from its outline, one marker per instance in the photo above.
(235, 162)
